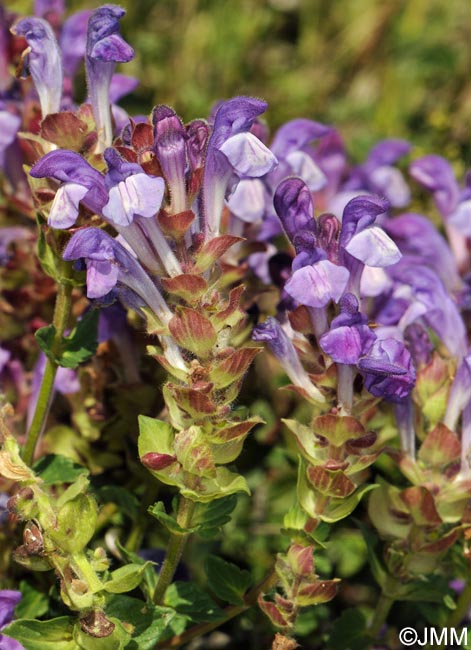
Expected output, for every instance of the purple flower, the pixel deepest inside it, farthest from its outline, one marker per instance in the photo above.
(420, 242)
(425, 297)
(436, 175)
(349, 336)
(72, 41)
(281, 346)
(131, 191)
(109, 263)
(388, 370)
(460, 393)
(43, 60)
(9, 235)
(289, 146)
(79, 182)
(293, 204)
(232, 151)
(384, 179)
(316, 285)
(9, 126)
(363, 240)
(105, 48)
(8, 601)
(170, 148)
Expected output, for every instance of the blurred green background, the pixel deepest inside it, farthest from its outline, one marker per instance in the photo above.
(373, 68)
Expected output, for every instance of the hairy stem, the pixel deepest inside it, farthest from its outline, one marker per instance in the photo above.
(230, 612)
(175, 548)
(381, 613)
(43, 404)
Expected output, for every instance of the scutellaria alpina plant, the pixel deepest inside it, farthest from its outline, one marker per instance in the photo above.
(235, 368)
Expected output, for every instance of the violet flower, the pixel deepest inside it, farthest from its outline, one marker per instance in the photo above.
(170, 148)
(105, 48)
(134, 199)
(80, 182)
(9, 126)
(421, 243)
(42, 59)
(388, 370)
(378, 175)
(349, 336)
(73, 40)
(315, 280)
(8, 601)
(109, 263)
(436, 175)
(281, 346)
(232, 152)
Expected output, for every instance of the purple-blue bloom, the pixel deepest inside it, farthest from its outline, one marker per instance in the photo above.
(232, 152)
(170, 147)
(79, 182)
(109, 263)
(105, 48)
(8, 601)
(73, 40)
(281, 346)
(42, 59)
(388, 370)
(349, 336)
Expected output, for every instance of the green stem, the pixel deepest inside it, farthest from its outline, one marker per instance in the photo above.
(381, 613)
(134, 541)
(463, 606)
(175, 548)
(230, 612)
(82, 566)
(43, 404)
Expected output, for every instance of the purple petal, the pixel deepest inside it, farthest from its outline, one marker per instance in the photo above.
(359, 213)
(112, 48)
(461, 218)
(317, 285)
(374, 247)
(293, 205)
(65, 207)
(303, 166)
(137, 195)
(101, 278)
(105, 47)
(7, 643)
(73, 40)
(248, 156)
(388, 370)
(294, 135)
(121, 85)
(44, 61)
(282, 347)
(435, 174)
(387, 152)
(247, 202)
(9, 599)
(390, 183)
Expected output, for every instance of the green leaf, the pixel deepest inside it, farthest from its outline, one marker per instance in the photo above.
(349, 631)
(150, 623)
(82, 342)
(158, 511)
(34, 603)
(191, 601)
(43, 635)
(149, 581)
(55, 470)
(126, 501)
(45, 338)
(126, 578)
(227, 581)
(211, 516)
